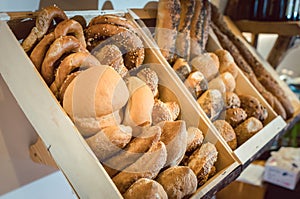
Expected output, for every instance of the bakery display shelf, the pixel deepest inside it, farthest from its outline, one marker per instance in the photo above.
(252, 148)
(61, 144)
(285, 28)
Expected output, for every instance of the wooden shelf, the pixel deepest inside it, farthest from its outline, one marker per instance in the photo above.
(286, 28)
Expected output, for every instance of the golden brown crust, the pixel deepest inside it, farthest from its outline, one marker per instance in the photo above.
(227, 132)
(232, 100)
(196, 83)
(39, 51)
(194, 139)
(135, 149)
(247, 129)
(164, 111)
(65, 84)
(150, 77)
(109, 141)
(202, 161)
(42, 24)
(81, 60)
(155, 157)
(235, 116)
(111, 19)
(147, 188)
(59, 47)
(178, 181)
(182, 68)
(68, 27)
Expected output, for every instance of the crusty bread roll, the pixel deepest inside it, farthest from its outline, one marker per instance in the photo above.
(227, 132)
(140, 104)
(212, 102)
(196, 83)
(207, 64)
(235, 116)
(253, 107)
(202, 161)
(178, 181)
(135, 149)
(112, 56)
(147, 166)
(95, 92)
(109, 141)
(229, 81)
(162, 111)
(247, 129)
(194, 140)
(232, 100)
(227, 63)
(182, 68)
(150, 77)
(218, 84)
(146, 188)
(174, 136)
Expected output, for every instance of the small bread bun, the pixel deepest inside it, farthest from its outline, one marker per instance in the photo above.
(109, 141)
(138, 111)
(174, 136)
(147, 188)
(232, 100)
(229, 81)
(235, 116)
(168, 111)
(211, 101)
(227, 132)
(196, 83)
(202, 161)
(207, 64)
(182, 68)
(227, 63)
(253, 107)
(95, 92)
(247, 129)
(194, 140)
(218, 84)
(178, 181)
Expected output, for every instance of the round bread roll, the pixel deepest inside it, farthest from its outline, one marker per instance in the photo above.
(235, 116)
(253, 107)
(232, 100)
(174, 136)
(138, 110)
(194, 140)
(182, 68)
(229, 81)
(196, 83)
(147, 188)
(109, 141)
(227, 63)
(207, 64)
(227, 132)
(168, 111)
(95, 92)
(150, 77)
(178, 181)
(218, 84)
(247, 129)
(211, 101)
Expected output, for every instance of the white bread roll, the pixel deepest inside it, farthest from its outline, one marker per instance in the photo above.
(95, 92)
(138, 111)
(227, 63)
(229, 81)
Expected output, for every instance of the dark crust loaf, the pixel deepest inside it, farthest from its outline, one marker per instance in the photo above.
(261, 73)
(247, 70)
(183, 37)
(167, 22)
(200, 25)
(253, 107)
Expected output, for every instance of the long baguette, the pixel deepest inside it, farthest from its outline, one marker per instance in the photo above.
(167, 22)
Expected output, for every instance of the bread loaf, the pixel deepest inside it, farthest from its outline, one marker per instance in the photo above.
(109, 141)
(178, 181)
(227, 132)
(138, 110)
(147, 189)
(174, 136)
(95, 92)
(155, 158)
(247, 129)
(194, 139)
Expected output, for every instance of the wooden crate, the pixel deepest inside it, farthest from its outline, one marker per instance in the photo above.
(274, 124)
(60, 137)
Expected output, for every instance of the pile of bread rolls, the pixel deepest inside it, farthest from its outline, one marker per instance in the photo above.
(209, 76)
(95, 72)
